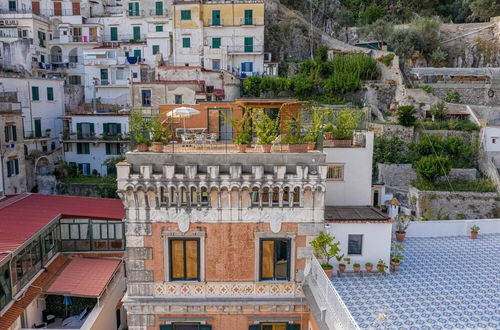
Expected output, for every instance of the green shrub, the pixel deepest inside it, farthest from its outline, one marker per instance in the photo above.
(406, 116)
(460, 155)
(452, 97)
(452, 124)
(438, 111)
(481, 185)
(432, 167)
(252, 85)
(386, 59)
(428, 89)
(345, 122)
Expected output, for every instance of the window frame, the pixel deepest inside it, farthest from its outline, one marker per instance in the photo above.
(289, 259)
(186, 42)
(50, 94)
(170, 263)
(186, 15)
(332, 168)
(360, 245)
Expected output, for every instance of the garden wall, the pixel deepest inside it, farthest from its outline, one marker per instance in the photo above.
(467, 137)
(389, 131)
(401, 175)
(443, 228)
(454, 205)
(87, 190)
(469, 93)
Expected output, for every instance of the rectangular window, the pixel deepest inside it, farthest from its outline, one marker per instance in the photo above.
(215, 64)
(248, 44)
(186, 42)
(113, 31)
(10, 133)
(159, 8)
(216, 42)
(38, 127)
(355, 244)
(75, 80)
(12, 6)
(247, 66)
(248, 17)
(146, 97)
(215, 17)
(50, 94)
(159, 28)
(12, 167)
(41, 38)
(85, 130)
(178, 99)
(156, 49)
(184, 255)
(68, 147)
(84, 168)
(137, 53)
(75, 6)
(83, 148)
(274, 259)
(335, 172)
(137, 32)
(185, 15)
(104, 76)
(35, 96)
(112, 148)
(133, 9)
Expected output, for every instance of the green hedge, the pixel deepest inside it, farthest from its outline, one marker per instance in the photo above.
(454, 125)
(481, 185)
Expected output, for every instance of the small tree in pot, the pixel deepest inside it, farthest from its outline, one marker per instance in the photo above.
(381, 266)
(396, 256)
(473, 231)
(139, 128)
(316, 129)
(294, 137)
(356, 267)
(242, 131)
(266, 130)
(325, 247)
(159, 134)
(402, 223)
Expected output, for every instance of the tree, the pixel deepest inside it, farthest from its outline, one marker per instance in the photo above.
(139, 128)
(251, 85)
(438, 111)
(266, 128)
(321, 54)
(325, 246)
(428, 30)
(484, 9)
(406, 115)
(380, 30)
(345, 122)
(371, 14)
(432, 167)
(405, 42)
(438, 57)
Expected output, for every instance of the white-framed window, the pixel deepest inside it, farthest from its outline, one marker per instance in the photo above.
(335, 172)
(355, 244)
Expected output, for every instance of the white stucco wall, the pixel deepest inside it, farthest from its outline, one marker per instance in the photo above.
(492, 138)
(355, 189)
(452, 227)
(376, 242)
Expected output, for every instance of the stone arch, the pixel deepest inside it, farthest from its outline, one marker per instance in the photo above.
(42, 166)
(55, 54)
(73, 55)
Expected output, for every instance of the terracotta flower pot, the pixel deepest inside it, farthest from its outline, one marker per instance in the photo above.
(342, 143)
(395, 265)
(357, 269)
(297, 148)
(242, 148)
(341, 268)
(380, 268)
(142, 147)
(266, 148)
(473, 235)
(329, 272)
(310, 146)
(368, 268)
(157, 147)
(327, 136)
(400, 236)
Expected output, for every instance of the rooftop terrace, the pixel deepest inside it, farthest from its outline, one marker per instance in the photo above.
(444, 282)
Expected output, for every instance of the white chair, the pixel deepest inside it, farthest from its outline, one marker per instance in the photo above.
(186, 140)
(199, 139)
(212, 138)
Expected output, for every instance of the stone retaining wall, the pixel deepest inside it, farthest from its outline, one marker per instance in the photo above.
(454, 205)
(389, 131)
(469, 93)
(467, 137)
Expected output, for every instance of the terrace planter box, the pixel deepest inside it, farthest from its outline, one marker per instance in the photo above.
(157, 147)
(342, 143)
(266, 148)
(142, 147)
(297, 148)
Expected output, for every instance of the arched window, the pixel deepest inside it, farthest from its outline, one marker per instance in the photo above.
(265, 196)
(194, 196)
(286, 196)
(163, 196)
(173, 196)
(296, 196)
(184, 196)
(204, 196)
(255, 196)
(276, 196)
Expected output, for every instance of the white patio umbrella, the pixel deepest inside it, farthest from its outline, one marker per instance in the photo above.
(183, 113)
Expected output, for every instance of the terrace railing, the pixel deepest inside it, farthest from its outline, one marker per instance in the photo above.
(334, 312)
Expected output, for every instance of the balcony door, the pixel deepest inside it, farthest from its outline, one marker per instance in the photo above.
(57, 8)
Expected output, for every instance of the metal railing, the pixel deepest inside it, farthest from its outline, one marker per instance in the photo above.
(245, 49)
(154, 13)
(336, 315)
(216, 22)
(135, 13)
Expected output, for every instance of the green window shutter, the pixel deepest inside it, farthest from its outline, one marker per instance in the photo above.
(16, 164)
(133, 9)
(38, 128)
(137, 52)
(50, 94)
(159, 28)
(205, 327)
(9, 168)
(185, 15)
(248, 17)
(293, 327)
(216, 42)
(114, 33)
(159, 8)
(156, 49)
(6, 131)
(186, 42)
(92, 129)
(34, 93)
(166, 327)
(105, 128)
(216, 17)
(14, 133)
(118, 128)
(137, 32)
(79, 130)
(248, 44)
(254, 327)
(78, 148)
(108, 149)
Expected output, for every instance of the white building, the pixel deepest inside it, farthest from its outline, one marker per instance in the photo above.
(491, 138)
(349, 178)
(42, 103)
(89, 140)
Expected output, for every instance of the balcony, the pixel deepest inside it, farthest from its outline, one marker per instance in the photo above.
(243, 49)
(135, 13)
(75, 137)
(250, 22)
(154, 13)
(100, 61)
(216, 22)
(125, 38)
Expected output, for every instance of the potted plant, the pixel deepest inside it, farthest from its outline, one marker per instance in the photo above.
(473, 231)
(241, 128)
(396, 256)
(328, 131)
(315, 130)
(368, 267)
(158, 134)
(341, 264)
(294, 137)
(356, 267)
(266, 130)
(345, 122)
(381, 266)
(139, 128)
(402, 223)
(325, 247)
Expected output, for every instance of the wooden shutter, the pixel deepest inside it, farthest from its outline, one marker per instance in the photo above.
(34, 93)
(91, 129)
(6, 131)
(16, 165)
(35, 6)
(108, 148)
(79, 130)
(57, 8)
(9, 168)
(78, 148)
(205, 327)
(166, 327)
(105, 128)
(38, 128)
(14, 133)
(76, 8)
(159, 8)
(114, 33)
(118, 128)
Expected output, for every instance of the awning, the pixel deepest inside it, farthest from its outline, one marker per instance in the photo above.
(84, 277)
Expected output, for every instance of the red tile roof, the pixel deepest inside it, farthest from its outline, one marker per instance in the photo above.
(84, 277)
(23, 215)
